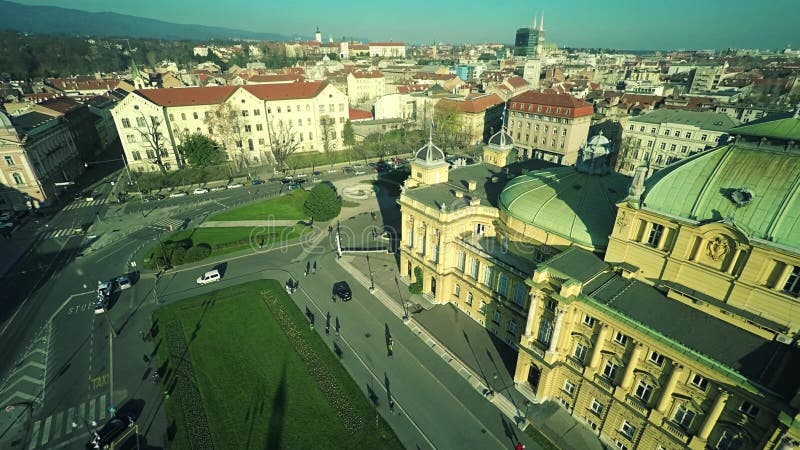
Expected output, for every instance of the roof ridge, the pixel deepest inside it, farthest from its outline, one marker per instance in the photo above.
(794, 191)
(714, 173)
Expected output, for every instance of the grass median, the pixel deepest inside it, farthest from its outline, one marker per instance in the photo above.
(285, 207)
(264, 379)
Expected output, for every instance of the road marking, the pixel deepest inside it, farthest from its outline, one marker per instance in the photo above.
(82, 410)
(52, 316)
(110, 374)
(70, 419)
(102, 407)
(46, 430)
(91, 413)
(57, 425)
(34, 435)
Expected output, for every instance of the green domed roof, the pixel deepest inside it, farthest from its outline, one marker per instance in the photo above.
(577, 206)
(757, 188)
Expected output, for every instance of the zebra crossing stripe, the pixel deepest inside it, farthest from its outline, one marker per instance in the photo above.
(102, 407)
(82, 409)
(34, 435)
(91, 413)
(68, 425)
(46, 430)
(57, 425)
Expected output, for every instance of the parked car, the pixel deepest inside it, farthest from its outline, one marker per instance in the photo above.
(100, 304)
(108, 433)
(152, 198)
(200, 191)
(235, 185)
(316, 173)
(104, 288)
(6, 225)
(287, 180)
(292, 186)
(359, 172)
(123, 282)
(177, 194)
(348, 170)
(257, 182)
(218, 188)
(341, 291)
(316, 180)
(333, 170)
(209, 277)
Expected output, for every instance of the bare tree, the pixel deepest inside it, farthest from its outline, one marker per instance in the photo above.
(328, 139)
(283, 142)
(625, 155)
(225, 123)
(150, 132)
(449, 125)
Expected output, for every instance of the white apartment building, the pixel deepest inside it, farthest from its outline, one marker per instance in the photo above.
(366, 86)
(258, 112)
(387, 49)
(665, 136)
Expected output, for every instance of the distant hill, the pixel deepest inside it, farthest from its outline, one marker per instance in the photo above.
(55, 20)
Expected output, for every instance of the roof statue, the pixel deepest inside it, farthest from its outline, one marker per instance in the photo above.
(595, 157)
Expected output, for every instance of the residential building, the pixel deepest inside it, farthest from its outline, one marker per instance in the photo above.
(549, 126)
(657, 311)
(80, 121)
(706, 77)
(479, 117)
(365, 86)
(100, 106)
(386, 49)
(664, 136)
(36, 152)
(261, 113)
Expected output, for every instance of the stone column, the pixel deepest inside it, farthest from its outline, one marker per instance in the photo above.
(532, 314)
(662, 241)
(734, 261)
(713, 415)
(556, 331)
(594, 361)
(669, 388)
(627, 378)
(787, 270)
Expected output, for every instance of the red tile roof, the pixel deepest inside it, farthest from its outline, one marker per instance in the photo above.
(387, 44)
(472, 105)
(412, 88)
(358, 114)
(559, 104)
(517, 82)
(82, 84)
(368, 74)
(62, 105)
(189, 96)
(286, 91)
(275, 78)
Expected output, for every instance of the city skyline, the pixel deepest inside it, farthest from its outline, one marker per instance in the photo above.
(625, 25)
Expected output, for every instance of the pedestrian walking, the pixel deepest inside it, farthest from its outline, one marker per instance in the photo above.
(519, 446)
(141, 335)
(314, 268)
(390, 347)
(308, 267)
(156, 376)
(336, 329)
(391, 405)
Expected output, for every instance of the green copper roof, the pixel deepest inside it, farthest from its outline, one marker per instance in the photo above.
(787, 128)
(703, 188)
(703, 120)
(563, 201)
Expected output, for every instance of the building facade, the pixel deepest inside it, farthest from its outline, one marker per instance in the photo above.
(36, 152)
(664, 136)
(386, 49)
(365, 86)
(549, 126)
(478, 117)
(682, 335)
(258, 115)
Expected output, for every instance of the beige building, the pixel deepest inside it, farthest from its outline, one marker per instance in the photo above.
(478, 116)
(549, 126)
(365, 86)
(36, 152)
(258, 113)
(387, 49)
(682, 335)
(664, 136)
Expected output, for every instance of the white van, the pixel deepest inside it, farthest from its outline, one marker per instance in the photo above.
(209, 277)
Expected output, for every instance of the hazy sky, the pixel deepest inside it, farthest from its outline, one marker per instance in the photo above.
(622, 24)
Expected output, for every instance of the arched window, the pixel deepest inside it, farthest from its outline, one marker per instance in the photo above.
(18, 179)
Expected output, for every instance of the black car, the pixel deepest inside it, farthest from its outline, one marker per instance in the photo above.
(105, 436)
(341, 290)
(257, 182)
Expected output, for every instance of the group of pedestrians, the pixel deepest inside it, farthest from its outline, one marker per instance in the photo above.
(310, 268)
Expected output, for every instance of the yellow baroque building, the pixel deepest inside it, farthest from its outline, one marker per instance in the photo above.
(662, 312)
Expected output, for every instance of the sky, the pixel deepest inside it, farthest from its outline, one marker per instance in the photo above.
(618, 24)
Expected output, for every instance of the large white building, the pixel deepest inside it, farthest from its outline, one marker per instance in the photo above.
(258, 114)
(365, 86)
(387, 49)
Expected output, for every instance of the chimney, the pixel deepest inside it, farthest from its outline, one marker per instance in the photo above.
(471, 185)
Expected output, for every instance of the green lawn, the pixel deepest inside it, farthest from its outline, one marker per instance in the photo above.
(285, 207)
(256, 390)
(231, 239)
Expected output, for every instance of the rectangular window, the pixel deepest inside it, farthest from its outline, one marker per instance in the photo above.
(620, 445)
(792, 285)
(248, 128)
(610, 370)
(171, 117)
(488, 277)
(663, 146)
(136, 155)
(749, 409)
(480, 229)
(641, 129)
(259, 127)
(656, 358)
(9, 160)
(683, 416)
(656, 230)
(512, 327)
(627, 429)
(684, 149)
(700, 381)
(126, 123)
(461, 258)
(140, 122)
(672, 147)
(256, 112)
(569, 388)
(502, 284)
(278, 109)
(551, 305)
(482, 308)
(620, 338)
(474, 268)
(688, 135)
(456, 290)
(704, 137)
(580, 352)
(588, 320)
(341, 107)
(183, 116)
(596, 408)
(677, 133)
(644, 391)
(666, 132)
(469, 299)
(288, 108)
(261, 141)
(330, 108)
(194, 114)
(652, 131)
(519, 294)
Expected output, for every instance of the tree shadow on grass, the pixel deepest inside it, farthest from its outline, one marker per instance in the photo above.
(277, 416)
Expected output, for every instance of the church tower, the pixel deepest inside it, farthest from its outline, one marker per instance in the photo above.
(318, 36)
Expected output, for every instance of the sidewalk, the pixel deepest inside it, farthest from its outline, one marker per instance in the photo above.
(248, 223)
(472, 351)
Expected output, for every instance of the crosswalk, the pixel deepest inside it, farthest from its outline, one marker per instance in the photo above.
(83, 204)
(70, 423)
(170, 224)
(62, 232)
